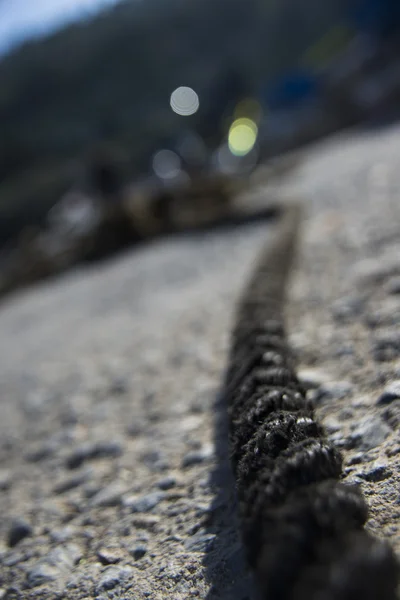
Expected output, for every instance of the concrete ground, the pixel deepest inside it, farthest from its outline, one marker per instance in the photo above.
(114, 473)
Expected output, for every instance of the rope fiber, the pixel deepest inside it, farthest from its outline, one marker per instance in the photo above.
(303, 529)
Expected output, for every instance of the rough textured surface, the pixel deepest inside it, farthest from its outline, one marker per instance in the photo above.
(343, 318)
(303, 529)
(109, 451)
(113, 433)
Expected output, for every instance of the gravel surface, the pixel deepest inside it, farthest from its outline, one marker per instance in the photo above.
(114, 479)
(344, 314)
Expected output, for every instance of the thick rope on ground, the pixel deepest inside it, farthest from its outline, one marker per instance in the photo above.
(303, 530)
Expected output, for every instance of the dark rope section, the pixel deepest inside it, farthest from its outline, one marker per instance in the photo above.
(302, 528)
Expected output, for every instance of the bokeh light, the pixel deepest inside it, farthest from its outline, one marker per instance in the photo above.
(184, 101)
(242, 136)
(249, 108)
(166, 164)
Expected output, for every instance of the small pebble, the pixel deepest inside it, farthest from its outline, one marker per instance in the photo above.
(112, 577)
(334, 390)
(358, 458)
(368, 433)
(394, 451)
(13, 592)
(143, 503)
(312, 378)
(379, 472)
(387, 316)
(63, 535)
(148, 522)
(40, 453)
(135, 429)
(119, 386)
(167, 483)
(339, 440)
(109, 556)
(11, 559)
(138, 551)
(197, 457)
(69, 483)
(109, 496)
(155, 460)
(19, 530)
(332, 425)
(386, 346)
(42, 573)
(390, 393)
(391, 415)
(55, 565)
(347, 309)
(93, 451)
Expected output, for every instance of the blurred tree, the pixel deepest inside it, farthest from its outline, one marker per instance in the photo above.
(111, 78)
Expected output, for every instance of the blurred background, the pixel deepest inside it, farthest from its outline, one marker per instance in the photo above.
(102, 100)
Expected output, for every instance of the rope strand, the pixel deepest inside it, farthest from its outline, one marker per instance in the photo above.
(302, 528)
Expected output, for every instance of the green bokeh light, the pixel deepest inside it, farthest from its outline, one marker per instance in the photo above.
(242, 136)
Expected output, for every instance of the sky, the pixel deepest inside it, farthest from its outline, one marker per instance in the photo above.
(24, 19)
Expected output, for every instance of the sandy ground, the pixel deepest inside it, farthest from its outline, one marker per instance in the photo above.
(114, 478)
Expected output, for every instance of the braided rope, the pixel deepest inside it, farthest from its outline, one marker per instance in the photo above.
(302, 528)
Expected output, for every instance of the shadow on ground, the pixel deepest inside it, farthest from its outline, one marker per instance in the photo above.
(226, 569)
